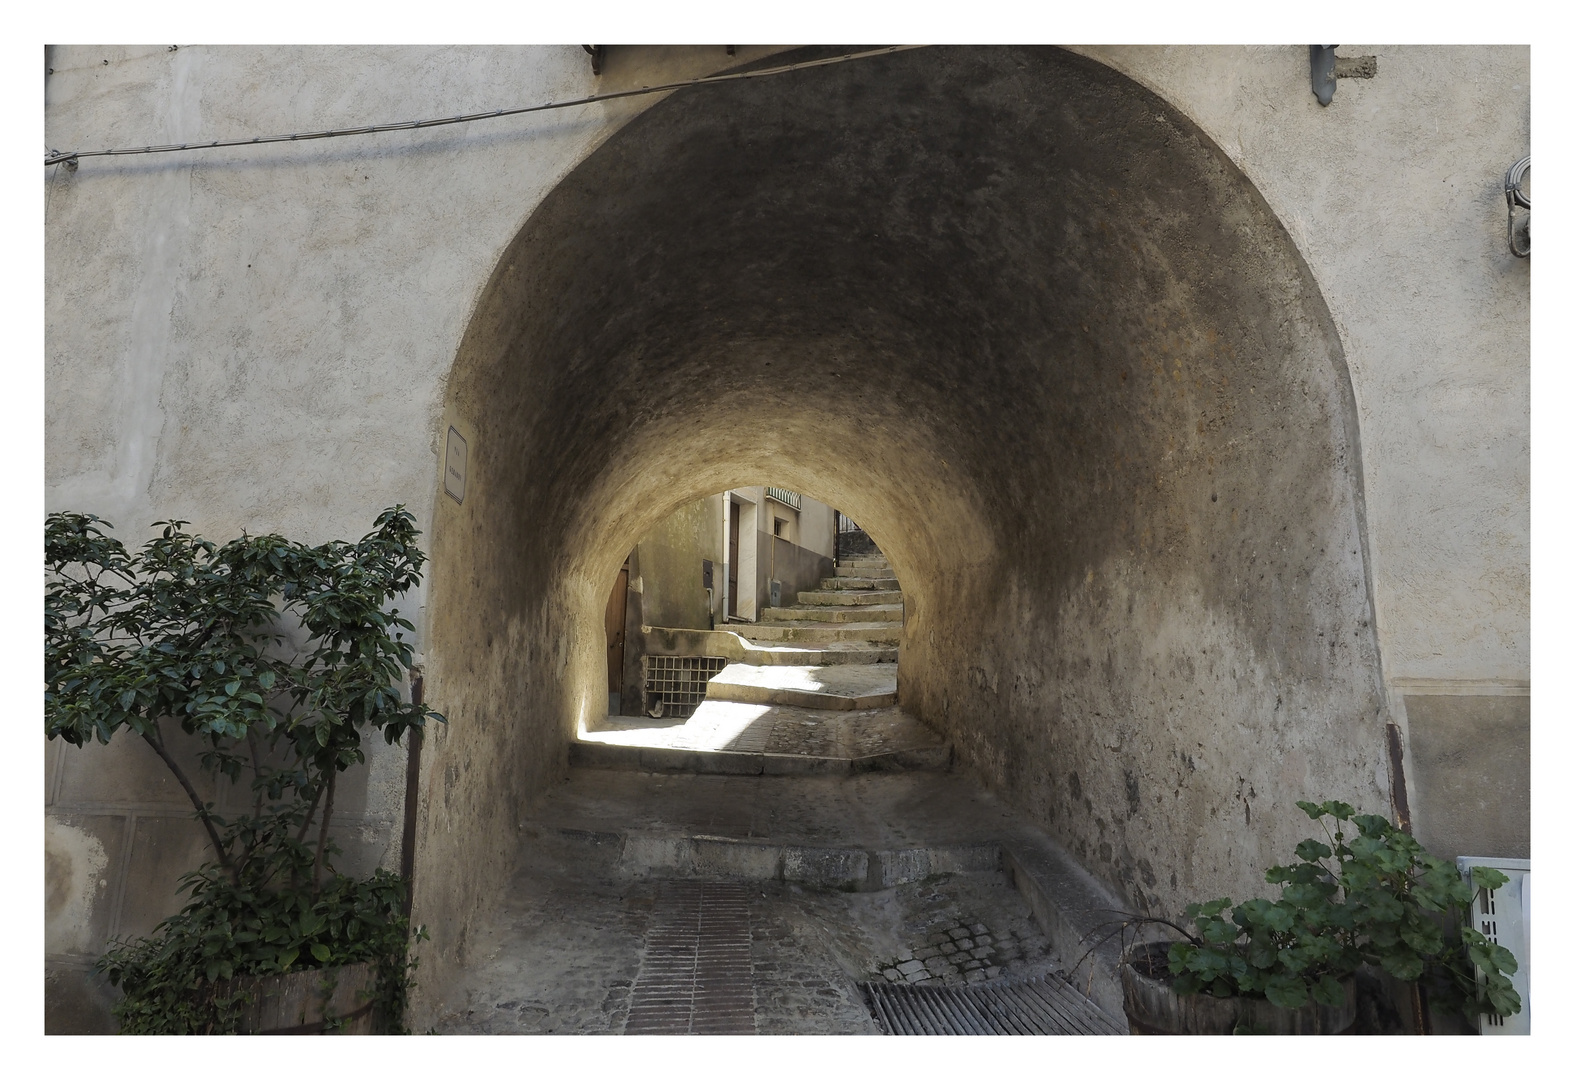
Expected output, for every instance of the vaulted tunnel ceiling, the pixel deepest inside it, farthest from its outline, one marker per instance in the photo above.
(1024, 322)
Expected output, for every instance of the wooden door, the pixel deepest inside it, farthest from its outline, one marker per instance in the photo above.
(615, 615)
(732, 558)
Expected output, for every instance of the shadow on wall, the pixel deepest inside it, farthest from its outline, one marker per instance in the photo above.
(1023, 321)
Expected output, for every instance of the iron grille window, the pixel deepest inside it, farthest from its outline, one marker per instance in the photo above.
(678, 682)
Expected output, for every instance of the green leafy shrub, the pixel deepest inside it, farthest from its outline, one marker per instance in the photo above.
(190, 977)
(1369, 897)
(278, 656)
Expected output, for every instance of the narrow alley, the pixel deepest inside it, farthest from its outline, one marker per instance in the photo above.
(757, 865)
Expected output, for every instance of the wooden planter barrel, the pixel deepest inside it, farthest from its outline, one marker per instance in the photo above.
(314, 1002)
(1154, 1008)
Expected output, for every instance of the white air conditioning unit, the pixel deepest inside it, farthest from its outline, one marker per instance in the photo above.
(1503, 916)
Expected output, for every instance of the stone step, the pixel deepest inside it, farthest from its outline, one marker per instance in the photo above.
(835, 686)
(735, 739)
(833, 615)
(652, 853)
(856, 833)
(591, 754)
(811, 632)
(849, 597)
(859, 583)
(850, 570)
(864, 563)
(824, 654)
(730, 645)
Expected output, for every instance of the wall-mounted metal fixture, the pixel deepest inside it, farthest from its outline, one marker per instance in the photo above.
(1322, 72)
(598, 54)
(1327, 68)
(1515, 195)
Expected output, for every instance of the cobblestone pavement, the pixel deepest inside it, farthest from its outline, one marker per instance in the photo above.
(562, 952)
(574, 942)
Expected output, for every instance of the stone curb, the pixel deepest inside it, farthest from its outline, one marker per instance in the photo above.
(1074, 910)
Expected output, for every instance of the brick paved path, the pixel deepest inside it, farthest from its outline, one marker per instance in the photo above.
(695, 975)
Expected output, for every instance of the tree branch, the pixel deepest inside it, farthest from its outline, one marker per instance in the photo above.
(311, 810)
(251, 744)
(155, 739)
(322, 835)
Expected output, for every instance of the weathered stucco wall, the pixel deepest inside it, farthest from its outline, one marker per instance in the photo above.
(817, 527)
(975, 246)
(670, 566)
(798, 568)
(1393, 195)
(260, 340)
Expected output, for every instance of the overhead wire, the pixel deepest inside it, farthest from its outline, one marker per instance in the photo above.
(55, 157)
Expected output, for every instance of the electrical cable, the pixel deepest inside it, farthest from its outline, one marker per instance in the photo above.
(58, 157)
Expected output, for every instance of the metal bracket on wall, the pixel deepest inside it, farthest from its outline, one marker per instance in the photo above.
(598, 54)
(1328, 68)
(1515, 195)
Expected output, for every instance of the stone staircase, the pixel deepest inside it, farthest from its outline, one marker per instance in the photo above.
(810, 689)
(856, 614)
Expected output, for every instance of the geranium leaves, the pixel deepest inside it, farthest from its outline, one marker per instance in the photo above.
(1378, 899)
(1312, 851)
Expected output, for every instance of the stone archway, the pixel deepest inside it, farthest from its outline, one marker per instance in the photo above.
(1018, 316)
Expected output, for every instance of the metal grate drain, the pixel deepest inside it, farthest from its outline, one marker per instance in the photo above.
(1039, 1006)
(695, 977)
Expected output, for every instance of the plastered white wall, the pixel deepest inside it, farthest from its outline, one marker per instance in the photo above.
(1394, 194)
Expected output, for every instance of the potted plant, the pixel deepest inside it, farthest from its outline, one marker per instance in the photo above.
(279, 656)
(1368, 894)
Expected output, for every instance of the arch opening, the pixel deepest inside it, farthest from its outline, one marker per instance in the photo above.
(1017, 316)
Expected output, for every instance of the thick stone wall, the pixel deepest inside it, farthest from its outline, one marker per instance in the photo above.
(1393, 196)
(1106, 431)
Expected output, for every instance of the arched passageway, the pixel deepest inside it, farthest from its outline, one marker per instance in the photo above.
(1026, 323)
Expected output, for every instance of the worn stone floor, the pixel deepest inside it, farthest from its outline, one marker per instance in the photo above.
(745, 869)
(571, 944)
